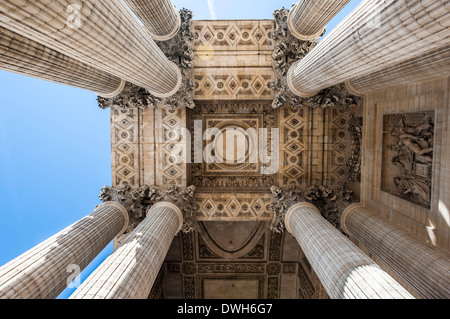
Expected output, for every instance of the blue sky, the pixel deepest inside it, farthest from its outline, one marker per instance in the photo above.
(55, 145)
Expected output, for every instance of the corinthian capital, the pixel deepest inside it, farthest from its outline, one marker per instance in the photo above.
(138, 201)
(331, 203)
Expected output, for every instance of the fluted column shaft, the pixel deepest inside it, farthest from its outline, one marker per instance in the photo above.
(160, 17)
(130, 271)
(376, 35)
(432, 65)
(344, 270)
(308, 19)
(42, 272)
(101, 33)
(27, 57)
(424, 268)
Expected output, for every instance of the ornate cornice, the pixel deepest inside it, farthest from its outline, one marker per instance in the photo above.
(180, 51)
(330, 203)
(138, 201)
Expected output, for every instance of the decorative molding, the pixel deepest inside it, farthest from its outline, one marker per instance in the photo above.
(355, 161)
(273, 288)
(231, 268)
(257, 252)
(273, 269)
(231, 84)
(187, 244)
(125, 146)
(294, 126)
(243, 207)
(275, 246)
(290, 268)
(189, 287)
(240, 35)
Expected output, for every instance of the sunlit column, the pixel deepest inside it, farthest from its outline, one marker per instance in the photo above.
(435, 64)
(27, 57)
(129, 272)
(101, 33)
(425, 269)
(160, 17)
(43, 271)
(376, 35)
(344, 270)
(308, 19)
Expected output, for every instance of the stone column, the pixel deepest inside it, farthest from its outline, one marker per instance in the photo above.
(308, 18)
(160, 17)
(344, 270)
(43, 271)
(435, 64)
(426, 269)
(129, 273)
(378, 34)
(27, 57)
(101, 33)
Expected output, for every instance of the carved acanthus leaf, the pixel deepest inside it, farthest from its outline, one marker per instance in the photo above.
(289, 50)
(179, 50)
(138, 201)
(330, 203)
(132, 96)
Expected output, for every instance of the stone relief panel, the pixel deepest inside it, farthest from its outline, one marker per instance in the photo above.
(408, 142)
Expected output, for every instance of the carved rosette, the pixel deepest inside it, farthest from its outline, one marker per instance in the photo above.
(179, 50)
(330, 202)
(289, 50)
(138, 201)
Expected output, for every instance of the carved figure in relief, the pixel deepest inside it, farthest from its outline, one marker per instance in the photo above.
(415, 186)
(411, 137)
